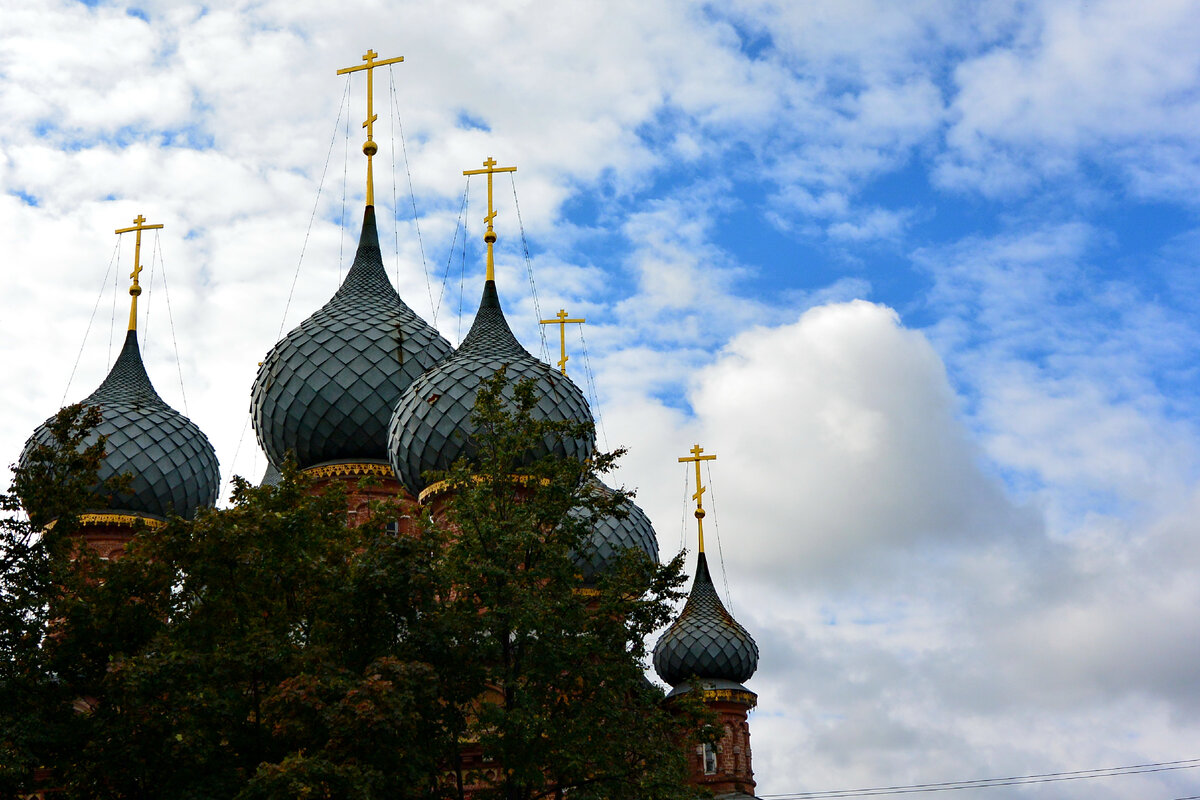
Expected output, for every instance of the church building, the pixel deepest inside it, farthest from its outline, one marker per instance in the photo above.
(366, 387)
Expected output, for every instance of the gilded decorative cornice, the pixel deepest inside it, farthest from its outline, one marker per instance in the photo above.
(350, 469)
(435, 490)
(124, 520)
(739, 696)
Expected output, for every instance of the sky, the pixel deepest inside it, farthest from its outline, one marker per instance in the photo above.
(922, 276)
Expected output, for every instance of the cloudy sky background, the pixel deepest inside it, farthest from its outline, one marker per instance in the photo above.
(922, 275)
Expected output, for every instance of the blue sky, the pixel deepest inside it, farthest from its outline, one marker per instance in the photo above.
(922, 275)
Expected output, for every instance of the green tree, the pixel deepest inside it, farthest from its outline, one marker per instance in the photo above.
(551, 693)
(269, 650)
(36, 570)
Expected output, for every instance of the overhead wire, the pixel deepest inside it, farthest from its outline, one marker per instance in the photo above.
(683, 512)
(537, 309)
(171, 322)
(144, 327)
(983, 783)
(345, 177)
(411, 194)
(712, 494)
(462, 274)
(112, 323)
(393, 115)
(591, 381)
(450, 258)
(238, 449)
(312, 217)
(103, 285)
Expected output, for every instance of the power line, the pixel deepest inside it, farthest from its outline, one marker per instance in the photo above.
(983, 783)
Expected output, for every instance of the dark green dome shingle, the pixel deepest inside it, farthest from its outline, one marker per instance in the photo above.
(611, 536)
(431, 426)
(327, 390)
(171, 462)
(705, 641)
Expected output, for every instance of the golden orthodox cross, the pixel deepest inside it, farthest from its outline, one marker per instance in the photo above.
(136, 289)
(490, 169)
(369, 147)
(697, 458)
(561, 321)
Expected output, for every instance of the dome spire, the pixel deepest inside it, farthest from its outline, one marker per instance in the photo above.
(369, 146)
(172, 465)
(705, 641)
(700, 490)
(490, 168)
(432, 425)
(139, 225)
(327, 390)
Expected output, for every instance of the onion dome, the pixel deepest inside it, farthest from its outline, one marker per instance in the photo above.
(172, 464)
(272, 476)
(705, 642)
(612, 535)
(327, 390)
(432, 427)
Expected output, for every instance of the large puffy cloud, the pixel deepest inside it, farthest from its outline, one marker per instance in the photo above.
(838, 436)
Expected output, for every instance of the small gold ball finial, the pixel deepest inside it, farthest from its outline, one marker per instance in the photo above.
(135, 290)
(370, 148)
(490, 237)
(699, 513)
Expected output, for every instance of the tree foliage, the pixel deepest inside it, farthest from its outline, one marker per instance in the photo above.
(271, 650)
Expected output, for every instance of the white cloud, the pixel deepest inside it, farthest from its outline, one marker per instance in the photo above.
(1065, 369)
(868, 226)
(838, 435)
(1077, 86)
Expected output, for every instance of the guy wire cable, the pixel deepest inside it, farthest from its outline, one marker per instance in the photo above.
(712, 494)
(103, 285)
(537, 309)
(171, 322)
(345, 171)
(462, 273)
(144, 328)
(462, 209)
(411, 194)
(591, 380)
(313, 216)
(112, 323)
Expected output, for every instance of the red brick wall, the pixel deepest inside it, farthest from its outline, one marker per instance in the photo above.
(734, 772)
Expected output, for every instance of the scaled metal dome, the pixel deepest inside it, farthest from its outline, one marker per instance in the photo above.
(172, 464)
(431, 426)
(272, 476)
(327, 390)
(705, 641)
(611, 536)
